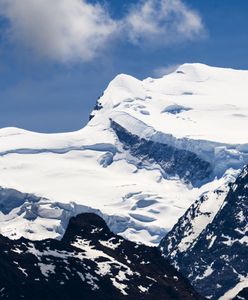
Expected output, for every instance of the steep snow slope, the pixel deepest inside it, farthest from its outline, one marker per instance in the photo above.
(151, 148)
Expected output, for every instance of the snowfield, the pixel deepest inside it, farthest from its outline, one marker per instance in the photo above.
(118, 165)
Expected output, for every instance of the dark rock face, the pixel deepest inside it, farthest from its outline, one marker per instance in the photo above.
(90, 262)
(217, 260)
(98, 106)
(242, 295)
(174, 162)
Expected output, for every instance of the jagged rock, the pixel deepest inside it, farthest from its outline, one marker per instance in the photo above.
(216, 260)
(90, 262)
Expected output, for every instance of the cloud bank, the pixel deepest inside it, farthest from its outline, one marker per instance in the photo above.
(77, 30)
(58, 29)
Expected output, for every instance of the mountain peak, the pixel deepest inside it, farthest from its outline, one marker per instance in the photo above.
(86, 223)
(150, 142)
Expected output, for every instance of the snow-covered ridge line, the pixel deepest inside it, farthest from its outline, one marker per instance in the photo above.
(201, 213)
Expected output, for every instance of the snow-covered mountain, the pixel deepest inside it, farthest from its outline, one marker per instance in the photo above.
(90, 262)
(209, 244)
(151, 149)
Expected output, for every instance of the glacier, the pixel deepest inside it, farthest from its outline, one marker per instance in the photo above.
(151, 148)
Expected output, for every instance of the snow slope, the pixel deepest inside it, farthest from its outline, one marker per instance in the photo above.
(151, 149)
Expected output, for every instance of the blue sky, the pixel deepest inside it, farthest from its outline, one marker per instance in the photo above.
(46, 89)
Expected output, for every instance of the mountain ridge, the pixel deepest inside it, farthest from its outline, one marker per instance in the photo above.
(89, 262)
(215, 260)
(177, 114)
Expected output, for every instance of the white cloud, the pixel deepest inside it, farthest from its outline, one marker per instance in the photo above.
(72, 30)
(58, 29)
(162, 22)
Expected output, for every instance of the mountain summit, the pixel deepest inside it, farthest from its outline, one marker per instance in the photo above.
(150, 150)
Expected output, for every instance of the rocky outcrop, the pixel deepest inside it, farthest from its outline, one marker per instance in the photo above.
(216, 260)
(90, 262)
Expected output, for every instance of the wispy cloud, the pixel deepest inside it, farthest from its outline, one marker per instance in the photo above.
(165, 70)
(163, 22)
(72, 30)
